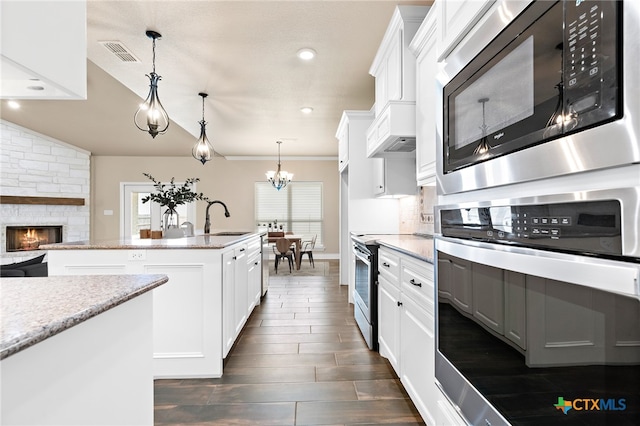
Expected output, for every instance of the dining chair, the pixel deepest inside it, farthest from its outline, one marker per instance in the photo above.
(307, 248)
(283, 251)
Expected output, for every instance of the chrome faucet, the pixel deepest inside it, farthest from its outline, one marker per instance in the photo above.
(207, 220)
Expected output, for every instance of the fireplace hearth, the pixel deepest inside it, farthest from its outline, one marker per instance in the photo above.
(26, 238)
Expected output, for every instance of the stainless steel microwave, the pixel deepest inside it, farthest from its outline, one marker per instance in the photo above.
(551, 92)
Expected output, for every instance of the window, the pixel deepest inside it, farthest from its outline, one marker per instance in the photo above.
(297, 207)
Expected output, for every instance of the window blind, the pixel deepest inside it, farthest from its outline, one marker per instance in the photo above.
(297, 207)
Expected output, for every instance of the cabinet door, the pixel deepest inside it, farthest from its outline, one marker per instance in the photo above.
(228, 301)
(394, 68)
(254, 274)
(389, 322)
(378, 176)
(417, 349)
(343, 148)
(488, 296)
(241, 291)
(457, 17)
(426, 108)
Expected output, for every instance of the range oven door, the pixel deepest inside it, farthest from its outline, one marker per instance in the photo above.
(527, 336)
(364, 294)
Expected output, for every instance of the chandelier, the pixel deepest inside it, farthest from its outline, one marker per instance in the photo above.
(279, 179)
(151, 116)
(202, 150)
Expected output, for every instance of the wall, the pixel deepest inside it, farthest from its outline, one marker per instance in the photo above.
(32, 164)
(231, 181)
(414, 212)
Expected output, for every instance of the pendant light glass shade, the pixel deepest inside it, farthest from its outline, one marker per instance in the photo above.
(202, 150)
(280, 178)
(151, 116)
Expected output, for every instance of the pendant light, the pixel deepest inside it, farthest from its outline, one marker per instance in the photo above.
(202, 150)
(151, 116)
(279, 179)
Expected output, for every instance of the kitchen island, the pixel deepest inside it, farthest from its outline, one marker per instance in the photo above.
(214, 284)
(77, 350)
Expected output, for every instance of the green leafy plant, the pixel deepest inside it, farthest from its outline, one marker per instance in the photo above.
(172, 195)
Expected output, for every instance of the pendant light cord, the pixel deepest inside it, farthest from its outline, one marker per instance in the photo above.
(154, 55)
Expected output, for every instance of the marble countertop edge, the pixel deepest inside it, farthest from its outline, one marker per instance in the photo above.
(27, 339)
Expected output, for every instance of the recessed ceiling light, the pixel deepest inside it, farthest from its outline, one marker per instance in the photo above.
(306, 54)
(13, 104)
(306, 110)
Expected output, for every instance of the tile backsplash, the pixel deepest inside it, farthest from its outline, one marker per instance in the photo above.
(416, 212)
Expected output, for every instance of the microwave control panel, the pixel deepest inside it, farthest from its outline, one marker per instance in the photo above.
(591, 56)
(588, 226)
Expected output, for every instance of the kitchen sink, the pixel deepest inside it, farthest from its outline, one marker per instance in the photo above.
(228, 234)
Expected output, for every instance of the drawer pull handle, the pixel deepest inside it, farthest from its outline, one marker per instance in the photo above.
(256, 263)
(242, 249)
(417, 284)
(399, 303)
(386, 265)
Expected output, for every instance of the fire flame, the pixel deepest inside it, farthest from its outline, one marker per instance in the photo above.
(31, 239)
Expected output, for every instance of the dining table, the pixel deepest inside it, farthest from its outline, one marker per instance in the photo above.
(295, 239)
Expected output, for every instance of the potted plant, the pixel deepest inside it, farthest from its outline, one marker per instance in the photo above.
(170, 196)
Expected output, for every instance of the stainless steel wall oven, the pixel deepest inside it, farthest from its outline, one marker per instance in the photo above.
(558, 86)
(365, 294)
(538, 313)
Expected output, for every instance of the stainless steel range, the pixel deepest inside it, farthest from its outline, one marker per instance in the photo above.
(365, 294)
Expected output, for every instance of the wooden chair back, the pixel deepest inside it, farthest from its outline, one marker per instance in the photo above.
(283, 245)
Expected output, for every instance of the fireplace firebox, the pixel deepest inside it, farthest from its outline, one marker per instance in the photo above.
(25, 238)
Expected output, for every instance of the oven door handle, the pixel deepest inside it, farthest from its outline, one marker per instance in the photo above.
(361, 253)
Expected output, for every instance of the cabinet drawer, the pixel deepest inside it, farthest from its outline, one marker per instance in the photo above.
(389, 266)
(253, 248)
(417, 283)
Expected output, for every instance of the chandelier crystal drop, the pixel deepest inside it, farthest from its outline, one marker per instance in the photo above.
(202, 150)
(279, 178)
(151, 116)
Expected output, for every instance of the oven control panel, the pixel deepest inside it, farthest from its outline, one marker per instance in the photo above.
(585, 227)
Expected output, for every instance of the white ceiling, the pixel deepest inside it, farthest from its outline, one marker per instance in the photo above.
(243, 54)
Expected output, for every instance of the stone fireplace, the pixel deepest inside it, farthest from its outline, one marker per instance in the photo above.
(45, 183)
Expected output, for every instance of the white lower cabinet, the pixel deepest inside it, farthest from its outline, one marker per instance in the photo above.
(417, 346)
(239, 292)
(389, 322)
(406, 326)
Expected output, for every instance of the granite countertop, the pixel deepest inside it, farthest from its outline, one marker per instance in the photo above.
(416, 245)
(202, 241)
(34, 309)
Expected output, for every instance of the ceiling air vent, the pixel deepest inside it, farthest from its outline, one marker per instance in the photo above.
(120, 50)
(402, 144)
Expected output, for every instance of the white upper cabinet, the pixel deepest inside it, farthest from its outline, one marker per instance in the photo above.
(424, 46)
(456, 18)
(343, 144)
(44, 41)
(390, 177)
(392, 133)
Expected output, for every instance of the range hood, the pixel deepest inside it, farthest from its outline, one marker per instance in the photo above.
(393, 132)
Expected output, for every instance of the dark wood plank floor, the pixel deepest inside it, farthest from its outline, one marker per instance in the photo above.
(300, 360)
